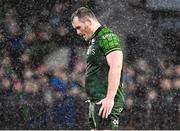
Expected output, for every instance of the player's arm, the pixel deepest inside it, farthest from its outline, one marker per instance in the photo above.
(114, 60)
(114, 56)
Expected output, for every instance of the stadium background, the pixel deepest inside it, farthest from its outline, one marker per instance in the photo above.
(42, 63)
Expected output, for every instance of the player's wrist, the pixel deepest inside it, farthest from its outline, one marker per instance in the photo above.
(110, 97)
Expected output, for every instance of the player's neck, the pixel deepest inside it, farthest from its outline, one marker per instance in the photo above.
(95, 27)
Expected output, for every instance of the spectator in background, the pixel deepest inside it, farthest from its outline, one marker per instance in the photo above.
(15, 42)
(63, 108)
(167, 94)
(176, 103)
(6, 86)
(6, 67)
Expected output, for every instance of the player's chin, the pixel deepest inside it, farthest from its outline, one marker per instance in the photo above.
(86, 38)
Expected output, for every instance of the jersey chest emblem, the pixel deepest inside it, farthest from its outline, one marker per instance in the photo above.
(91, 50)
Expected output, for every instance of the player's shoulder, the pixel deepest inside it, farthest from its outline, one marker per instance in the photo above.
(107, 34)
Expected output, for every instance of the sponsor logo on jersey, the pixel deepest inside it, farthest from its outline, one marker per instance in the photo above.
(106, 36)
(115, 122)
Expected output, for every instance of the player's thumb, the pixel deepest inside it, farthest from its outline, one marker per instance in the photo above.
(98, 103)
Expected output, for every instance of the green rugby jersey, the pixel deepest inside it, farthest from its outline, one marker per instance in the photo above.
(102, 43)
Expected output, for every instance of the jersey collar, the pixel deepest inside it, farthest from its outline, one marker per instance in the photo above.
(97, 31)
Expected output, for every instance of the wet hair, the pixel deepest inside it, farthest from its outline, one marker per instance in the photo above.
(83, 13)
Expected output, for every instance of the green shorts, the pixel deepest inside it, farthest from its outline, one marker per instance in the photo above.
(111, 123)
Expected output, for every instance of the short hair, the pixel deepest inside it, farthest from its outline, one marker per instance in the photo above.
(83, 13)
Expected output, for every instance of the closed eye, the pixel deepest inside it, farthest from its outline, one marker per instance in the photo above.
(78, 27)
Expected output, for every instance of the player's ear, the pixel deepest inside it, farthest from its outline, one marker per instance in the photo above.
(89, 21)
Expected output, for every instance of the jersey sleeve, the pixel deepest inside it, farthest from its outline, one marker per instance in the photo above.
(109, 42)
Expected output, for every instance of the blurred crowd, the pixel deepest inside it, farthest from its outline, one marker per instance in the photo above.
(152, 95)
(43, 99)
(34, 96)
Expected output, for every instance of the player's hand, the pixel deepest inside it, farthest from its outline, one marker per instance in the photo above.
(106, 107)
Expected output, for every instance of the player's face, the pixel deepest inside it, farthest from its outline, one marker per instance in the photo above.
(82, 28)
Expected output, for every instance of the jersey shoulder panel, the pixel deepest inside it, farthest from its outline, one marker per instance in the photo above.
(108, 41)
